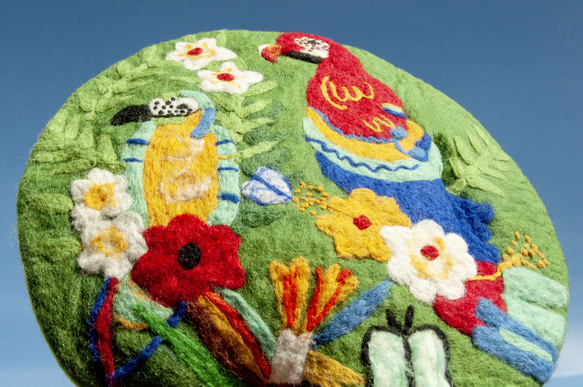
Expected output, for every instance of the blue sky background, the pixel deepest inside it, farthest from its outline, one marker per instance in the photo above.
(515, 65)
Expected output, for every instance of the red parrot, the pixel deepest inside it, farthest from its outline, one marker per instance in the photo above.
(350, 101)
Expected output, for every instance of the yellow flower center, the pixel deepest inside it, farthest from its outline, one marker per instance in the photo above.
(202, 51)
(110, 242)
(99, 196)
(431, 261)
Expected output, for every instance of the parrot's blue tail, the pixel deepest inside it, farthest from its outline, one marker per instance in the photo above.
(427, 199)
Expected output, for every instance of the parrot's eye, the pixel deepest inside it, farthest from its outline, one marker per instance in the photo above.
(312, 46)
(189, 256)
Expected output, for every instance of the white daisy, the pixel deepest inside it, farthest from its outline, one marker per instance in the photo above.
(195, 56)
(229, 79)
(101, 195)
(112, 247)
(429, 261)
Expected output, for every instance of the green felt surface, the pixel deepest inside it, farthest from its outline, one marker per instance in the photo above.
(80, 137)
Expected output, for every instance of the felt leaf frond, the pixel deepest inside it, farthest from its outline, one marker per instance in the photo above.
(477, 158)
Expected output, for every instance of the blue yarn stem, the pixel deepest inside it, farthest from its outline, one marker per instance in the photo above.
(354, 314)
(177, 315)
(134, 363)
(130, 366)
(488, 339)
(101, 296)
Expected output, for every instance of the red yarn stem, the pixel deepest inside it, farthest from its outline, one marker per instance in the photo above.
(341, 278)
(313, 308)
(290, 294)
(103, 328)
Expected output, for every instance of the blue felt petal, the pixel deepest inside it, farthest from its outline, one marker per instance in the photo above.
(354, 314)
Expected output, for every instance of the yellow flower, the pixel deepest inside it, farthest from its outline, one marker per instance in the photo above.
(355, 223)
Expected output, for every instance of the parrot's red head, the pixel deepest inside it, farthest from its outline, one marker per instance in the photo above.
(306, 47)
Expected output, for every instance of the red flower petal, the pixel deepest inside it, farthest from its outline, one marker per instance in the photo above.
(461, 313)
(167, 281)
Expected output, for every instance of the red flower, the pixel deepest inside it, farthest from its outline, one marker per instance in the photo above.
(461, 313)
(186, 258)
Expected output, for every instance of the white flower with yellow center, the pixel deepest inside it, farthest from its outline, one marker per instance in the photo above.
(429, 261)
(195, 56)
(112, 247)
(101, 195)
(229, 79)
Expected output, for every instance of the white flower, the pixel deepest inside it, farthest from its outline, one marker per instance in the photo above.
(102, 195)
(429, 261)
(229, 79)
(195, 56)
(112, 247)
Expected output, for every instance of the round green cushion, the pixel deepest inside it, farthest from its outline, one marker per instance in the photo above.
(257, 234)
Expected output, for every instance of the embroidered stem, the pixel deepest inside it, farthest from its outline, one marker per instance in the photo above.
(242, 329)
(100, 330)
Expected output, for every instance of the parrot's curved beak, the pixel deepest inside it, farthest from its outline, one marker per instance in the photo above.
(270, 52)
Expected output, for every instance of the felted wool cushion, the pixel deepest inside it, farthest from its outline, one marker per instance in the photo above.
(251, 208)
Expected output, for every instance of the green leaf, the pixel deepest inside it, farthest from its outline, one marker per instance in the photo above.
(116, 167)
(71, 129)
(232, 123)
(85, 100)
(227, 101)
(253, 108)
(194, 80)
(457, 187)
(273, 159)
(254, 215)
(477, 144)
(108, 103)
(104, 84)
(150, 56)
(257, 326)
(457, 165)
(196, 356)
(124, 68)
(52, 156)
(483, 184)
(487, 170)
(252, 124)
(221, 38)
(213, 66)
(254, 150)
(85, 138)
(57, 249)
(240, 63)
(260, 88)
(501, 165)
(105, 149)
(74, 166)
(464, 151)
(484, 135)
(50, 203)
